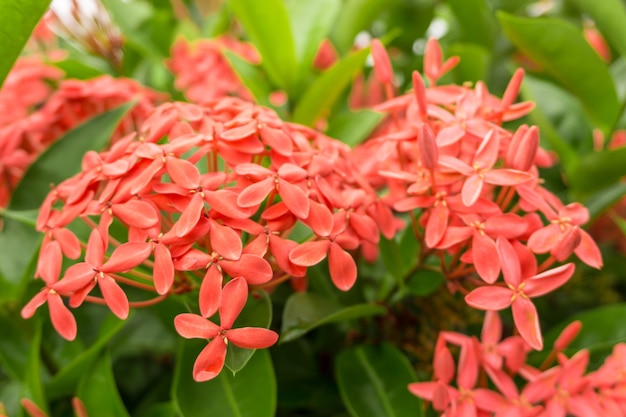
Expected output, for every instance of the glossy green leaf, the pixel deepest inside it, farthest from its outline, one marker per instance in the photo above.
(352, 128)
(65, 381)
(357, 16)
(311, 20)
(256, 313)
(267, 25)
(598, 170)
(251, 76)
(400, 254)
(474, 64)
(476, 21)
(17, 20)
(305, 311)
(570, 60)
(610, 18)
(425, 281)
(98, 391)
(250, 393)
(63, 158)
(373, 382)
(325, 90)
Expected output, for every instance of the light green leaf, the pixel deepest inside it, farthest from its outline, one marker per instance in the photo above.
(250, 393)
(356, 16)
(305, 311)
(129, 15)
(267, 25)
(610, 18)
(63, 158)
(311, 20)
(65, 381)
(325, 90)
(570, 60)
(474, 64)
(17, 21)
(476, 21)
(373, 382)
(251, 76)
(256, 313)
(598, 170)
(98, 391)
(25, 217)
(352, 128)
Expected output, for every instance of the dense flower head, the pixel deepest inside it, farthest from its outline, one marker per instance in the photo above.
(203, 72)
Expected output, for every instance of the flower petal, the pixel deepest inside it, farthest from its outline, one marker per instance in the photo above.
(252, 337)
(210, 361)
(489, 298)
(114, 296)
(234, 298)
(342, 267)
(127, 256)
(191, 326)
(527, 321)
(61, 317)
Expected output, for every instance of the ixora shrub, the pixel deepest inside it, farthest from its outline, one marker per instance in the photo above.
(236, 222)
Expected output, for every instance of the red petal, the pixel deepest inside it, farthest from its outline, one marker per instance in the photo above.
(506, 177)
(61, 317)
(254, 269)
(544, 239)
(436, 225)
(277, 140)
(69, 242)
(136, 213)
(342, 267)
(549, 280)
(37, 301)
(114, 296)
(320, 219)
(183, 173)
(292, 173)
(95, 249)
(511, 269)
(254, 194)
(485, 258)
(252, 337)
(190, 216)
(240, 132)
(210, 291)
(234, 298)
(210, 361)
(489, 298)
(471, 189)
(225, 241)
(76, 277)
(191, 326)
(163, 269)
(365, 227)
(492, 328)
(294, 198)
(527, 321)
(50, 262)
(127, 256)
(225, 202)
(310, 253)
(588, 251)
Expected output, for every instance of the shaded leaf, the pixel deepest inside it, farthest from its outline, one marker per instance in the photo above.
(305, 311)
(352, 128)
(250, 393)
(601, 200)
(570, 60)
(598, 169)
(17, 20)
(425, 281)
(98, 391)
(373, 382)
(16, 261)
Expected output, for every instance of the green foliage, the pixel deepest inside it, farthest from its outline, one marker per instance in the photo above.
(610, 17)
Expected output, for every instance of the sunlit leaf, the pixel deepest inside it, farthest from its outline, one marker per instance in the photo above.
(357, 16)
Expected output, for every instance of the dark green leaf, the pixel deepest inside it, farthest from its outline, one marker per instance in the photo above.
(610, 17)
(425, 281)
(400, 254)
(311, 20)
(98, 391)
(64, 382)
(16, 260)
(373, 382)
(325, 90)
(256, 313)
(569, 59)
(600, 201)
(306, 311)
(267, 25)
(476, 21)
(63, 158)
(17, 21)
(356, 16)
(250, 393)
(251, 76)
(598, 170)
(352, 128)
(34, 387)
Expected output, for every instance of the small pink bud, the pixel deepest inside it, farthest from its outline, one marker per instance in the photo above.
(420, 94)
(382, 65)
(567, 335)
(427, 147)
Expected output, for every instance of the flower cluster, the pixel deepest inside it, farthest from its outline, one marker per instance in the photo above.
(445, 156)
(207, 194)
(33, 115)
(563, 389)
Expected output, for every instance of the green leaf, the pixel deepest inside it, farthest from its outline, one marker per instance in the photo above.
(267, 25)
(305, 311)
(98, 391)
(74, 68)
(311, 20)
(63, 158)
(610, 18)
(400, 254)
(17, 21)
(598, 202)
(325, 90)
(129, 15)
(251, 76)
(256, 313)
(250, 393)
(425, 281)
(16, 260)
(598, 170)
(569, 59)
(25, 217)
(356, 16)
(602, 328)
(352, 128)
(34, 387)
(65, 381)
(476, 21)
(373, 382)
(474, 64)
